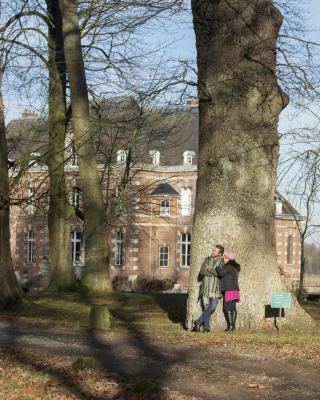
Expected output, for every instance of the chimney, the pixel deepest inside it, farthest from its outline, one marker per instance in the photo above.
(192, 102)
(28, 113)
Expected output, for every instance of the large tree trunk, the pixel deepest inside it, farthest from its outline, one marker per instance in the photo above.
(239, 107)
(10, 292)
(61, 271)
(97, 278)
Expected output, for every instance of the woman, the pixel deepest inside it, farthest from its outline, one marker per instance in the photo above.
(230, 288)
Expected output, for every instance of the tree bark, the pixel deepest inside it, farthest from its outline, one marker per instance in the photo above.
(10, 293)
(239, 106)
(97, 279)
(61, 271)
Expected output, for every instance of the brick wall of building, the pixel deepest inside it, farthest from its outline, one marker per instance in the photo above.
(144, 231)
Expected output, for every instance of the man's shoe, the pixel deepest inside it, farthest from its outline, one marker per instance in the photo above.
(196, 327)
(206, 330)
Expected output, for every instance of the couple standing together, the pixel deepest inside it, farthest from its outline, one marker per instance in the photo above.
(219, 278)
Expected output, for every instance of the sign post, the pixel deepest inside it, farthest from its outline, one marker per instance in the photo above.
(280, 300)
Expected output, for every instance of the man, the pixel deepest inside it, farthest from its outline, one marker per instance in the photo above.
(210, 287)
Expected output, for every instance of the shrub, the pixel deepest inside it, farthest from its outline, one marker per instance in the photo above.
(142, 284)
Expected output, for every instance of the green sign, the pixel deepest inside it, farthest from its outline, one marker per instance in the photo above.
(281, 300)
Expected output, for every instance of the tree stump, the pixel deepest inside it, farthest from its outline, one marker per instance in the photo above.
(100, 318)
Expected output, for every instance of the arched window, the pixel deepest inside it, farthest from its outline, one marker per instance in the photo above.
(185, 249)
(155, 156)
(164, 255)
(118, 254)
(121, 156)
(75, 246)
(188, 157)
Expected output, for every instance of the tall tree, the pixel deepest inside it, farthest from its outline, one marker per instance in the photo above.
(96, 258)
(61, 271)
(239, 106)
(10, 292)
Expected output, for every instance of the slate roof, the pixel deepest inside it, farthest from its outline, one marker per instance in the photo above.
(288, 211)
(164, 189)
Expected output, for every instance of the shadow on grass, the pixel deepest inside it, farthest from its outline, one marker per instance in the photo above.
(175, 305)
(132, 358)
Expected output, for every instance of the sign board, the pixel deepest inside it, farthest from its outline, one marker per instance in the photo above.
(281, 300)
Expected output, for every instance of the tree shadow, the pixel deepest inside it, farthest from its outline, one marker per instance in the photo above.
(127, 360)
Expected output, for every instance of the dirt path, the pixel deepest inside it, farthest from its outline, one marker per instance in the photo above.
(205, 373)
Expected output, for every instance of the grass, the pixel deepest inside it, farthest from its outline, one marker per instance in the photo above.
(156, 317)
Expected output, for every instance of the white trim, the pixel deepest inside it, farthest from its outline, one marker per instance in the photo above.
(187, 243)
(165, 209)
(164, 245)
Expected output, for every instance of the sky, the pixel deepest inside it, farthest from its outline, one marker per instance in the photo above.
(181, 37)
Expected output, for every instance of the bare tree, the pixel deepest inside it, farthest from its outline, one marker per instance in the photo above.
(240, 102)
(96, 272)
(304, 189)
(59, 218)
(10, 292)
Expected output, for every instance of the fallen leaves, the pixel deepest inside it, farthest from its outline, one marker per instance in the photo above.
(256, 386)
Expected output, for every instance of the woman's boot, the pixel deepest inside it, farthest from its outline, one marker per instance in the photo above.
(233, 319)
(227, 316)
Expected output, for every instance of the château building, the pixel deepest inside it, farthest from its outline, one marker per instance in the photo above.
(148, 214)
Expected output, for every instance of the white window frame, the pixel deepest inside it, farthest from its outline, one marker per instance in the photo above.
(165, 208)
(188, 157)
(119, 248)
(186, 201)
(75, 199)
(76, 239)
(122, 156)
(155, 156)
(164, 256)
(30, 246)
(185, 249)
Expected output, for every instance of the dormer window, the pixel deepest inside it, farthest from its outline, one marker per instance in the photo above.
(155, 156)
(121, 156)
(165, 208)
(188, 157)
(34, 157)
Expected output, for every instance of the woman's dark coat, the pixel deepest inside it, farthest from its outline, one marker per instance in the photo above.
(229, 276)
